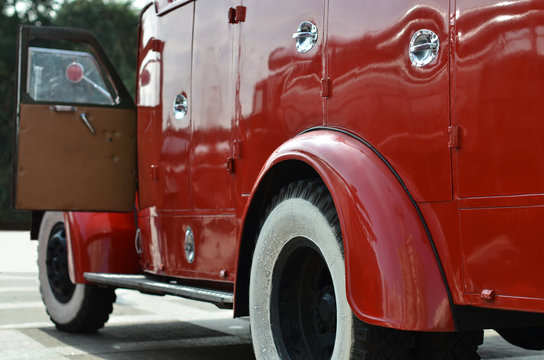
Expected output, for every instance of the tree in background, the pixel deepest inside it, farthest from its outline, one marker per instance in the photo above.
(114, 23)
(37, 12)
(13, 13)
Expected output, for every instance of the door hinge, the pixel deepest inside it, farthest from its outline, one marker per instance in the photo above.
(326, 87)
(154, 172)
(157, 45)
(453, 132)
(237, 15)
(230, 165)
(236, 149)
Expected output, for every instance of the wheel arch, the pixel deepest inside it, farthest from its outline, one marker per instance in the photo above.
(393, 273)
(275, 177)
(101, 242)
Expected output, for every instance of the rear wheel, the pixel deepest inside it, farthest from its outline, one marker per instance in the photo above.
(461, 345)
(72, 307)
(297, 296)
(531, 338)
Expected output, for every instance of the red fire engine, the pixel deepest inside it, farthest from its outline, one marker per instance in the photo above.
(361, 178)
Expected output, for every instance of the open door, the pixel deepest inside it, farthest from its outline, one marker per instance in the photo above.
(75, 125)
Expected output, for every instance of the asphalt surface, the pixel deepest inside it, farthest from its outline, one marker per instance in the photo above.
(141, 326)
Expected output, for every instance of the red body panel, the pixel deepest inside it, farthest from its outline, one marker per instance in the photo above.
(499, 68)
(212, 108)
(401, 110)
(163, 141)
(498, 92)
(184, 182)
(496, 243)
(251, 94)
(216, 247)
(279, 88)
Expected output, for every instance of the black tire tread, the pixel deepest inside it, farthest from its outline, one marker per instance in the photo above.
(379, 343)
(449, 345)
(530, 338)
(94, 312)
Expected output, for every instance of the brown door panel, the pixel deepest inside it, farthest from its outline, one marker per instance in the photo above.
(61, 165)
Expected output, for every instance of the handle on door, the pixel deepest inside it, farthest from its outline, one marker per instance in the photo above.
(86, 121)
(306, 37)
(423, 47)
(303, 34)
(63, 108)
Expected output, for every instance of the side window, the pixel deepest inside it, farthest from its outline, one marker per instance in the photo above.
(66, 76)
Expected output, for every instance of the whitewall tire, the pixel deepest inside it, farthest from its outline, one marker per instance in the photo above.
(72, 307)
(297, 295)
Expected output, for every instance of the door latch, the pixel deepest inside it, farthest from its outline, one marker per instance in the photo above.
(305, 37)
(237, 15)
(236, 144)
(453, 132)
(86, 121)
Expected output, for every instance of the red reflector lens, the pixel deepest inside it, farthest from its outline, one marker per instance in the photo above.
(74, 72)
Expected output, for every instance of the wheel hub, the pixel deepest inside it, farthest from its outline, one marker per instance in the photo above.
(327, 307)
(306, 303)
(57, 265)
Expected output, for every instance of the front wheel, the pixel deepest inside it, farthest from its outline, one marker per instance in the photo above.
(72, 307)
(297, 292)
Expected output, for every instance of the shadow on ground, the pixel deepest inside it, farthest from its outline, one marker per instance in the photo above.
(171, 340)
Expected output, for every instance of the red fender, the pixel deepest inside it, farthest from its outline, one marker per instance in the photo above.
(101, 242)
(392, 274)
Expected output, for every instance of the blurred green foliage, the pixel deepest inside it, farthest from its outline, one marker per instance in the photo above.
(114, 23)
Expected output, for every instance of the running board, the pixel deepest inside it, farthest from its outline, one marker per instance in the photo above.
(222, 299)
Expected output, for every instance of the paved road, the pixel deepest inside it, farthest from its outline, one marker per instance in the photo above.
(141, 326)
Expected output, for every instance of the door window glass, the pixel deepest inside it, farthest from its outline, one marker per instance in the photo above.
(66, 76)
